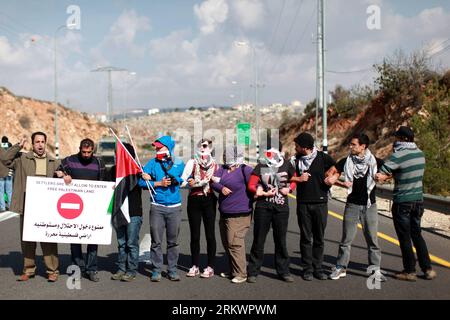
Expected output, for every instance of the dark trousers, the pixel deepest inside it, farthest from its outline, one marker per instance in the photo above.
(88, 266)
(264, 217)
(407, 217)
(198, 208)
(312, 220)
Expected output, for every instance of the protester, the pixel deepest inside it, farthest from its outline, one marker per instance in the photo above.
(128, 235)
(36, 163)
(270, 183)
(164, 174)
(201, 206)
(84, 166)
(6, 179)
(407, 165)
(312, 203)
(359, 169)
(235, 207)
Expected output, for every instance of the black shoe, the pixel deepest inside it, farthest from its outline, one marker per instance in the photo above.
(286, 278)
(308, 276)
(320, 275)
(93, 276)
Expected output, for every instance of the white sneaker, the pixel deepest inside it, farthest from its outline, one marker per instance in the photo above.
(193, 271)
(207, 272)
(239, 279)
(337, 273)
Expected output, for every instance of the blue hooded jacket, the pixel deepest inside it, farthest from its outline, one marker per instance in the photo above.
(165, 195)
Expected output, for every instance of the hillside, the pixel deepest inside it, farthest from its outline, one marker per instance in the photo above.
(379, 118)
(23, 116)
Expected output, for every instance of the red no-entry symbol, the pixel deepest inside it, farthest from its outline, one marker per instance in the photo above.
(70, 205)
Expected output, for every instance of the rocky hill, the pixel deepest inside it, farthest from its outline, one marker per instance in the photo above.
(378, 118)
(21, 116)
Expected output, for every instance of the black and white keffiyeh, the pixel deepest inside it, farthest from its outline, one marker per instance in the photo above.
(357, 167)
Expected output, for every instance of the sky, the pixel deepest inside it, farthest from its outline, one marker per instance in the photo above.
(182, 53)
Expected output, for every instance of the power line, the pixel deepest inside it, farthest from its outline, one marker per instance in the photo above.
(349, 71)
(288, 34)
(306, 28)
(440, 51)
(437, 45)
(272, 38)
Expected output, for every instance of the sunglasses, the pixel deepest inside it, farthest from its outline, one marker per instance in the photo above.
(204, 145)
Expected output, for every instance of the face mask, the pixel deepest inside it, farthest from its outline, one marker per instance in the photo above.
(273, 157)
(162, 155)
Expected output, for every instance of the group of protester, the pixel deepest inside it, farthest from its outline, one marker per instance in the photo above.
(244, 194)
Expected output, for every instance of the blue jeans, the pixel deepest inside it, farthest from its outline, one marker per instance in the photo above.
(407, 217)
(128, 246)
(77, 257)
(168, 219)
(5, 187)
(369, 219)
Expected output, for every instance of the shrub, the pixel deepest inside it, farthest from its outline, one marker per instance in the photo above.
(432, 131)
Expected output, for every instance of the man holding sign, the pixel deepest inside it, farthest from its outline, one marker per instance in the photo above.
(84, 166)
(31, 164)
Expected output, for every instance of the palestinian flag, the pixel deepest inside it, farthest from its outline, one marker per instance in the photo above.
(127, 177)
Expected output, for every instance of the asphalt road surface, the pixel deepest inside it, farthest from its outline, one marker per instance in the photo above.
(267, 287)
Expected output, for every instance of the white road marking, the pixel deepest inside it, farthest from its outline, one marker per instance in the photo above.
(144, 249)
(8, 215)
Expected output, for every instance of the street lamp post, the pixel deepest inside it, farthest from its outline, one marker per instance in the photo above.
(69, 26)
(109, 69)
(252, 47)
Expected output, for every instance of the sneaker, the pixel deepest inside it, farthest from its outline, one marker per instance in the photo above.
(226, 275)
(173, 276)
(286, 278)
(208, 272)
(406, 276)
(379, 276)
(128, 277)
(193, 271)
(430, 274)
(251, 279)
(338, 272)
(307, 276)
(238, 279)
(155, 277)
(118, 275)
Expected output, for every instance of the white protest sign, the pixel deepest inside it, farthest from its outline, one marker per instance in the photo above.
(75, 213)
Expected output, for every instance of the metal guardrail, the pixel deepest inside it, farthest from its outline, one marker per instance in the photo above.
(431, 202)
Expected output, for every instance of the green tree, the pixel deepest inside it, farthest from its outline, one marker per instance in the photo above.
(432, 127)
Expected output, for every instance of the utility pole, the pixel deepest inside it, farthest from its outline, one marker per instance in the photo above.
(69, 26)
(321, 70)
(109, 105)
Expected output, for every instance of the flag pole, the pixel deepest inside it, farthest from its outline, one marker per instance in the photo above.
(138, 164)
(138, 161)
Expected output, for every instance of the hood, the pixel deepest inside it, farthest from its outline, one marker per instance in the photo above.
(168, 142)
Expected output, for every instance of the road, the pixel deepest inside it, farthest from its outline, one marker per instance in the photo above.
(268, 287)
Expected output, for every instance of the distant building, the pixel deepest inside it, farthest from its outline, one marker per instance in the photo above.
(152, 111)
